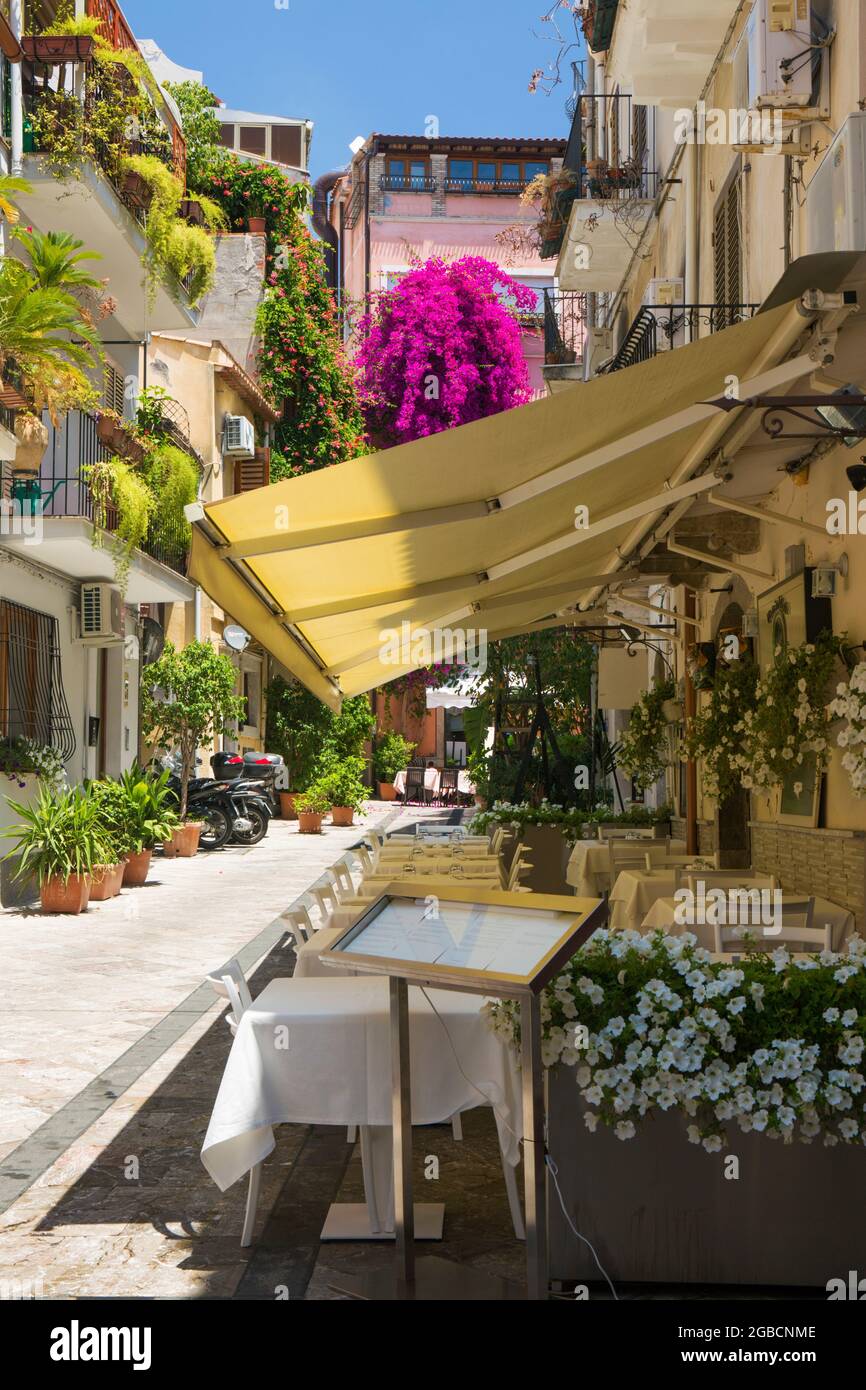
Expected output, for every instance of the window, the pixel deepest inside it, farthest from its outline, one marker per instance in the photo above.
(286, 145)
(509, 173)
(486, 172)
(468, 173)
(408, 174)
(227, 136)
(32, 699)
(532, 167)
(727, 257)
(253, 139)
(461, 170)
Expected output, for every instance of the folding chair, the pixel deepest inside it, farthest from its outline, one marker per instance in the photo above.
(231, 984)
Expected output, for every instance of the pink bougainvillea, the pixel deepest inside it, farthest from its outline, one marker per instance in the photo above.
(441, 348)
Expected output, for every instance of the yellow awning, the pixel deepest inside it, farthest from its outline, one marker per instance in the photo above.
(475, 528)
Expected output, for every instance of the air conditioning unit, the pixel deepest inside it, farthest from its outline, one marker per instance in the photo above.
(239, 437)
(836, 198)
(780, 58)
(664, 298)
(599, 347)
(101, 615)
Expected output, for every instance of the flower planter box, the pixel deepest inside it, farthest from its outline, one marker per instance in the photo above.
(58, 48)
(107, 879)
(136, 868)
(387, 791)
(660, 1210)
(287, 806)
(136, 189)
(69, 898)
(342, 815)
(191, 211)
(309, 823)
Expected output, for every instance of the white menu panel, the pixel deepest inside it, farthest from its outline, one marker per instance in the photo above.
(501, 940)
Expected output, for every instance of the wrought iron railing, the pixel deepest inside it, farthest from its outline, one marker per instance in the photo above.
(659, 328)
(564, 326)
(408, 183)
(484, 185)
(64, 488)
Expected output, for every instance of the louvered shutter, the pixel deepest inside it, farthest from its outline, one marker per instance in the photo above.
(254, 472)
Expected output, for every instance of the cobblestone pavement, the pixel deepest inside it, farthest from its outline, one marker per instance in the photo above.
(111, 1052)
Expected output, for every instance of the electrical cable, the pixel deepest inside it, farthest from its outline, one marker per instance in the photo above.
(553, 1170)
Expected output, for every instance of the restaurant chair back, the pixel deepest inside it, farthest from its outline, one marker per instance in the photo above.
(626, 855)
(340, 876)
(299, 924)
(448, 784)
(623, 832)
(364, 858)
(326, 900)
(416, 789)
(797, 926)
(731, 878)
(230, 983)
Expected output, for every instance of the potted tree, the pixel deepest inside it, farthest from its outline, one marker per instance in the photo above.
(61, 841)
(189, 698)
(311, 806)
(393, 755)
(341, 783)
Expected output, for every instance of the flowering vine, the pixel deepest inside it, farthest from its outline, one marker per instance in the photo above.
(850, 705)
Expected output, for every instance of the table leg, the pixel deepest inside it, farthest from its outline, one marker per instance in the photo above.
(404, 1215)
(533, 1149)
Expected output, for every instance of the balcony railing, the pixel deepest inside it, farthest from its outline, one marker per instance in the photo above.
(65, 491)
(514, 186)
(407, 183)
(659, 328)
(564, 326)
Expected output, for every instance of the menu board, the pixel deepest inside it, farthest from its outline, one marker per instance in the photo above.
(487, 937)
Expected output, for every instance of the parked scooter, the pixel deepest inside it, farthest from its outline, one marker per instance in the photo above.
(229, 811)
(265, 769)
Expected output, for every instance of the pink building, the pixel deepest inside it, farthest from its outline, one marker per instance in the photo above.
(407, 198)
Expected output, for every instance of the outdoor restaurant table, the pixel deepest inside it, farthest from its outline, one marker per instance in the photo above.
(420, 851)
(336, 1070)
(432, 779)
(589, 865)
(838, 918)
(635, 891)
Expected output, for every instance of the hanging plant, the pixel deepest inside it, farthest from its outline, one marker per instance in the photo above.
(174, 247)
(643, 747)
(790, 722)
(850, 705)
(116, 487)
(714, 736)
(172, 478)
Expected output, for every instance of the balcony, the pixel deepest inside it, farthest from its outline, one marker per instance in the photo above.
(663, 50)
(660, 328)
(407, 183)
(513, 186)
(56, 510)
(564, 337)
(96, 205)
(599, 210)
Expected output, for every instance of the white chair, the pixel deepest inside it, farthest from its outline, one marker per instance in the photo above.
(797, 926)
(325, 897)
(299, 924)
(622, 832)
(521, 865)
(626, 854)
(364, 858)
(231, 984)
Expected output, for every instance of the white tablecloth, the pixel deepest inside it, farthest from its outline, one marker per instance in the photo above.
(425, 851)
(839, 919)
(336, 1068)
(432, 778)
(588, 869)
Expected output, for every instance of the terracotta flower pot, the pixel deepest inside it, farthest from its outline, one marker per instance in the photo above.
(342, 815)
(256, 224)
(70, 897)
(136, 867)
(102, 887)
(184, 842)
(287, 806)
(309, 823)
(387, 791)
(117, 873)
(32, 437)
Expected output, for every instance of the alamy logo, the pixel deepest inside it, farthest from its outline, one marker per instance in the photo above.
(434, 647)
(853, 1288)
(77, 1343)
(711, 125)
(731, 907)
(20, 522)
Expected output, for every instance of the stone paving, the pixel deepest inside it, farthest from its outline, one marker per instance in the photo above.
(111, 1052)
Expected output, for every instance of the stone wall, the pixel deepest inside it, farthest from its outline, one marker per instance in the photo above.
(821, 863)
(229, 311)
(706, 833)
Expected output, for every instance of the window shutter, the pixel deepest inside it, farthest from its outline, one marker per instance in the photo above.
(728, 252)
(112, 395)
(254, 472)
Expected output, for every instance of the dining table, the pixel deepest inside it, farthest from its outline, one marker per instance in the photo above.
(663, 913)
(588, 868)
(317, 1051)
(433, 780)
(635, 891)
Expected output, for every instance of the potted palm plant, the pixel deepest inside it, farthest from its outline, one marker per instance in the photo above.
(393, 754)
(341, 784)
(311, 806)
(148, 821)
(61, 840)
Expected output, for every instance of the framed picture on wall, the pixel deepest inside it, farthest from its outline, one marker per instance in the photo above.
(788, 616)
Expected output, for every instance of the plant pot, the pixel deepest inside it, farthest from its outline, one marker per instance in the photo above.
(309, 823)
(136, 189)
(672, 711)
(135, 869)
(58, 48)
(184, 841)
(70, 897)
(287, 806)
(105, 883)
(481, 803)
(387, 791)
(256, 224)
(191, 211)
(32, 437)
(342, 815)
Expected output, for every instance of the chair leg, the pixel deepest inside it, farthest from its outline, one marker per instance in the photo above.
(457, 1126)
(513, 1196)
(352, 1134)
(252, 1203)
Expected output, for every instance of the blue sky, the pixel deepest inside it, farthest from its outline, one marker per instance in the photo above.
(353, 67)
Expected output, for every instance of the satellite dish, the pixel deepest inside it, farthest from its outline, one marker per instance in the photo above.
(236, 637)
(152, 641)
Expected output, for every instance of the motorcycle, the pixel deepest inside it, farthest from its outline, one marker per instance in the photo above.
(229, 811)
(265, 769)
